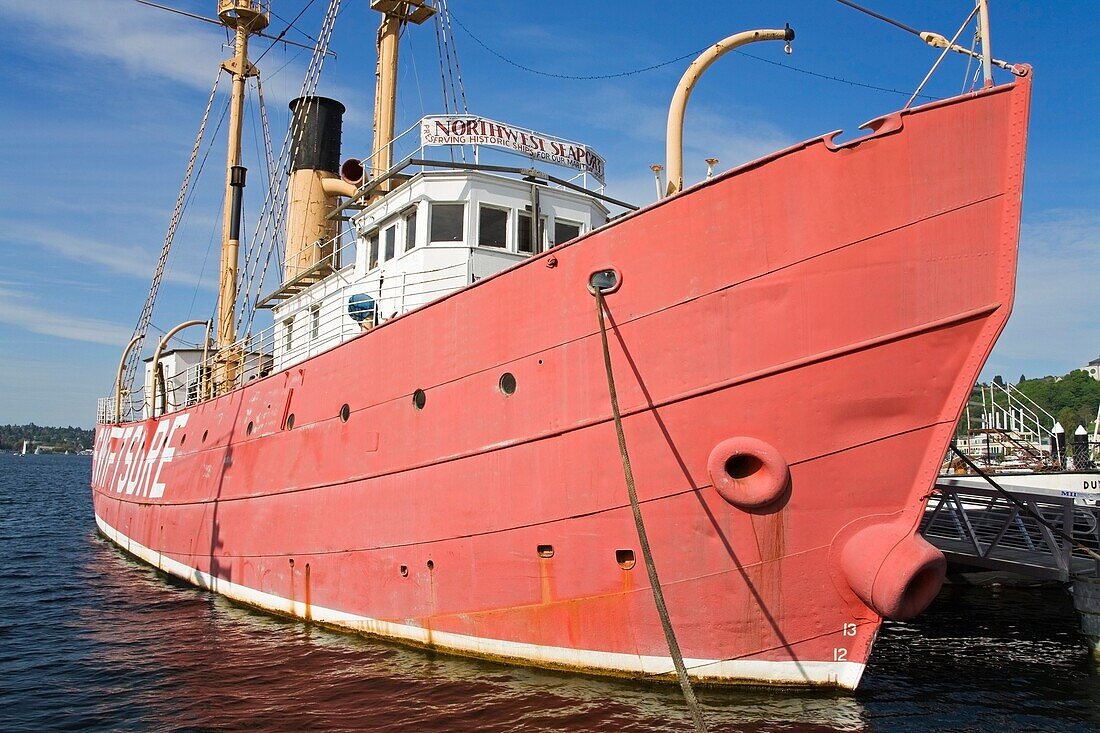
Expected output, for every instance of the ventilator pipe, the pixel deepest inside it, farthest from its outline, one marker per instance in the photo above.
(118, 379)
(337, 187)
(352, 171)
(158, 375)
(674, 132)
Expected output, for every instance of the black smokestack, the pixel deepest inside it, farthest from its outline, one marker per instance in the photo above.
(315, 134)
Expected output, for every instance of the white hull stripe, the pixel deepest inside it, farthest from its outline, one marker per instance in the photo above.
(841, 674)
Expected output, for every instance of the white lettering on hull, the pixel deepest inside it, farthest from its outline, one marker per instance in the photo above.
(128, 460)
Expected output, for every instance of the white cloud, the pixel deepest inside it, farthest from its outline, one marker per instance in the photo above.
(1054, 327)
(128, 260)
(17, 309)
(145, 41)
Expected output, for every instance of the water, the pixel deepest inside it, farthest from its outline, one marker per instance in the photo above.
(93, 641)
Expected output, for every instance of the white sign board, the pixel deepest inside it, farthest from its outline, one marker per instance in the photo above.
(480, 131)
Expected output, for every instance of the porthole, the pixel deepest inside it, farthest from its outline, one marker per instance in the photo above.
(419, 398)
(431, 565)
(204, 432)
(545, 550)
(507, 383)
(290, 421)
(345, 412)
(404, 571)
(248, 430)
(183, 437)
(606, 281)
(625, 558)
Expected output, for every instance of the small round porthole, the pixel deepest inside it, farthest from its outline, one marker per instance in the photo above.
(507, 383)
(419, 399)
(345, 412)
(605, 281)
(290, 421)
(404, 570)
(248, 430)
(625, 558)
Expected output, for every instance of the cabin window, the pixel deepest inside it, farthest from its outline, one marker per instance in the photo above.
(372, 251)
(410, 230)
(288, 334)
(446, 222)
(565, 230)
(524, 243)
(492, 227)
(390, 238)
(315, 322)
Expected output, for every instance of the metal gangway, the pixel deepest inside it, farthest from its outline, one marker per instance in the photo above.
(1038, 536)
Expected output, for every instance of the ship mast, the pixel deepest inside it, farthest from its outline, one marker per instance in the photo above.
(244, 18)
(394, 13)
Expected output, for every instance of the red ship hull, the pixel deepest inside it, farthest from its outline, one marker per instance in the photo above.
(834, 301)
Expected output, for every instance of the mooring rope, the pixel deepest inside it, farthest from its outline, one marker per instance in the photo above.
(643, 539)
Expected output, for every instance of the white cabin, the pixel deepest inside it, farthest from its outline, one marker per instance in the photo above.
(433, 234)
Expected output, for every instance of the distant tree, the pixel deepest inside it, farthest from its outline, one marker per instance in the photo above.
(1022, 380)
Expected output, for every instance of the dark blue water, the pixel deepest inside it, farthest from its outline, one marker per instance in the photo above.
(93, 641)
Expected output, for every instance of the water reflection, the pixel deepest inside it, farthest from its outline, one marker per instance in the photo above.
(93, 640)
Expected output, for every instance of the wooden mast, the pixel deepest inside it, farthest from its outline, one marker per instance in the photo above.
(244, 17)
(394, 13)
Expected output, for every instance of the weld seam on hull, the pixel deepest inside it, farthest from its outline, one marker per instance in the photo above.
(709, 389)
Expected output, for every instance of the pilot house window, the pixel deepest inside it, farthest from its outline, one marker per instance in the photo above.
(524, 242)
(410, 230)
(447, 222)
(372, 251)
(492, 227)
(565, 231)
(391, 242)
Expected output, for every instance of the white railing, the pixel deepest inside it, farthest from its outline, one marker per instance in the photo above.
(316, 325)
(1004, 408)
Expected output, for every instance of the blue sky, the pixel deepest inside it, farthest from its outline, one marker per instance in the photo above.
(100, 100)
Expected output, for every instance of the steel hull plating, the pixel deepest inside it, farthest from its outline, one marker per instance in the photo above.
(834, 301)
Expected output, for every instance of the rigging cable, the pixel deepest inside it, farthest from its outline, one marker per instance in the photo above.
(572, 77)
(442, 73)
(214, 21)
(285, 30)
(454, 52)
(134, 355)
(692, 54)
(266, 234)
(943, 53)
(447, 54)
(216, 223)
